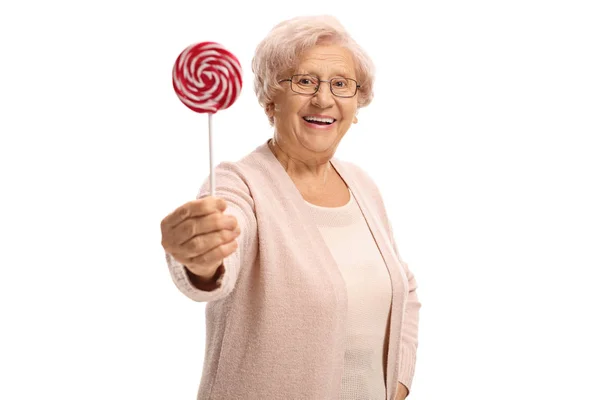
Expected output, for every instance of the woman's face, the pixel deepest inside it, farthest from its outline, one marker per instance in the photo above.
(295, 128)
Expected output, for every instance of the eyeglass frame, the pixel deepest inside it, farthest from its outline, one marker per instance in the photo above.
(319, 85)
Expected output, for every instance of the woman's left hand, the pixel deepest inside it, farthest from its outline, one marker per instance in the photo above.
(402, 392)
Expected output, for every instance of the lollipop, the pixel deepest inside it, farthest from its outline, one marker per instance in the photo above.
(207, 78)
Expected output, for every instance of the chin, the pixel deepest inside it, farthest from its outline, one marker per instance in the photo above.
(319, 142)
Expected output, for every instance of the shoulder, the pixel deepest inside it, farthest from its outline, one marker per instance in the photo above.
(250, 164)
(235, 176)
(231, 178)
(238, 171)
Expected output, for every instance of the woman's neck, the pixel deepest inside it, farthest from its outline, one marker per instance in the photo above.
(301, 171)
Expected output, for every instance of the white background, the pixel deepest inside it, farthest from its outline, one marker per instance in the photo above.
(483, 137)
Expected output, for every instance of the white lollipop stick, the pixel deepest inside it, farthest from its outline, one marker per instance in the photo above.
(210, 155)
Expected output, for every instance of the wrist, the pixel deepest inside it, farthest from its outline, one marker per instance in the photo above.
(206, 282)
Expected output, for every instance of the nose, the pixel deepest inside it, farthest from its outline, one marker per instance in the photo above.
(323, 98)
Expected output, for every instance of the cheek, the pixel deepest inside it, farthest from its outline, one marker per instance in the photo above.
(294, 107)
(291, 106)
(349, 106)
(350, 112)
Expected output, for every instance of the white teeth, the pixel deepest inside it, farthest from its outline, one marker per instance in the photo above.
(327, 120)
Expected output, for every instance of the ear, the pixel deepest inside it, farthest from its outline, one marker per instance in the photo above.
(269, 110)
(355, 120)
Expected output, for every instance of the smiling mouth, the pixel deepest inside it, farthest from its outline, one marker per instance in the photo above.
(319, 121)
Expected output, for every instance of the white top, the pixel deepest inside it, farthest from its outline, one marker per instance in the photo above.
(369, 298)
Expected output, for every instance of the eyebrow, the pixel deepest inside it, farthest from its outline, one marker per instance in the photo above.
(338, 73)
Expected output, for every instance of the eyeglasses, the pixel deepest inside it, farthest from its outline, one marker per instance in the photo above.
(309, 85)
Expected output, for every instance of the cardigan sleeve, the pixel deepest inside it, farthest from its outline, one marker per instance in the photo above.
(230, 186)
(410, 326)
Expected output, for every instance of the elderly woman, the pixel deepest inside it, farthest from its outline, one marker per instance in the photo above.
(307, 296)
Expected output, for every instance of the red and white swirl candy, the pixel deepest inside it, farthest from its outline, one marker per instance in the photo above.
(207, 78)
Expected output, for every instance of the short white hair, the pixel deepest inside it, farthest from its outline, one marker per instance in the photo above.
(279, 51)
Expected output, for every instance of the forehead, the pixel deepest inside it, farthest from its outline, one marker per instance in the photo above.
(326, 61)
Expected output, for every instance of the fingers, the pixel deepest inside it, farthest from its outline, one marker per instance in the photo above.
(199, 235)
(216, 254)
(202, 244)
(194, 227)
(212, 257)
(196, 208)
